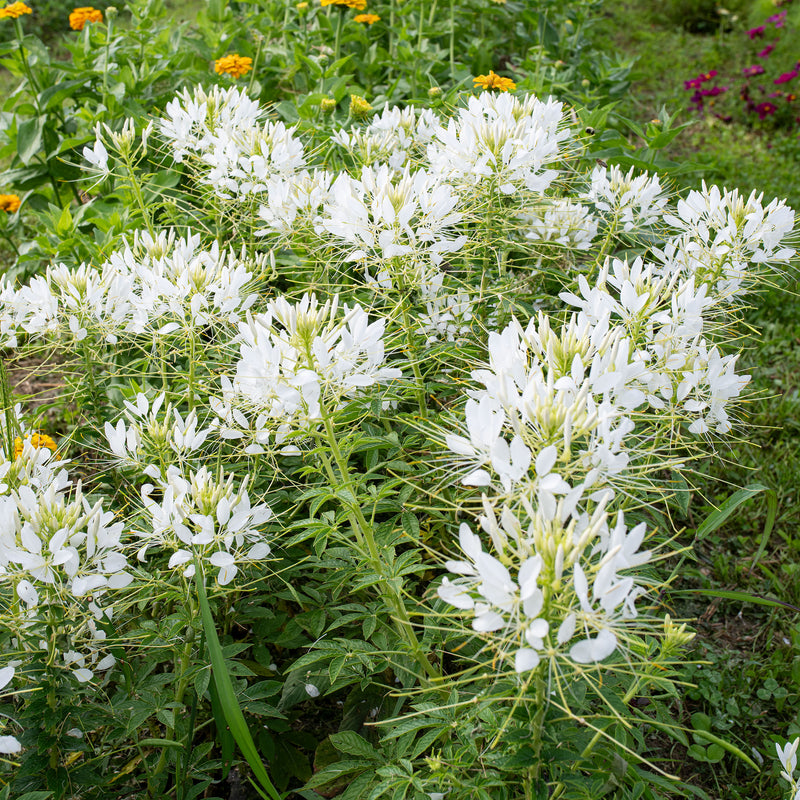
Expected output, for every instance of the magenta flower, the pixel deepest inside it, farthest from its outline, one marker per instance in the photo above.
(695, 83)
(766, 51)
(756, 69)
(777, 19)
(786, 77)
(757, 33)
(764, 110)
(714, 91)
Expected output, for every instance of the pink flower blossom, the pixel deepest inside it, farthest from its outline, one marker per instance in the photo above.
(766, 51)
(786, 77)
(777, 19)
(757, 33)
(765, 110)
(756, 69)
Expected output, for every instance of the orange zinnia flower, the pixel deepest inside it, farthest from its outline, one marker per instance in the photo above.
(15, 10)
(358, 5)
(234, 65)
(38, 440)
(492, 81)
(367, 18)
(9, 203)
(80, 16)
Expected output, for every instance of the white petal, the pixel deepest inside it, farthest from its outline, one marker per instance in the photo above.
(526, 659)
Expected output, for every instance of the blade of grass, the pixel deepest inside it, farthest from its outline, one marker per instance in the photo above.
(715, 520)
(742, 597)
(227, 697)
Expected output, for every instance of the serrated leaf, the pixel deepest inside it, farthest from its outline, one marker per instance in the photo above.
(351, 744)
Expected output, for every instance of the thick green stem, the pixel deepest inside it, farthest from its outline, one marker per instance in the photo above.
(452, 40)
(109, 29)
(183, 664)
(338, 39)
(365, 538)
(8, 412)
(94, 395)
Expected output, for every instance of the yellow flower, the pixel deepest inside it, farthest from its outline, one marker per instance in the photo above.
(367, 18)
(9, 203)
(499, 2)
(234, 65)
(80, 16)
(358, 5)
(328, 105)
(15, 10)
(38, 440)
(301, 6)
(492, 81)
(359, 107)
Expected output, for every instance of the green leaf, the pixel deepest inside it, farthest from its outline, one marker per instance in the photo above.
(53, 96)
(742, 597)
(29, 138)
(64, 224)
(227, 697)
(718, 517)
(160, 743)
(352, 744)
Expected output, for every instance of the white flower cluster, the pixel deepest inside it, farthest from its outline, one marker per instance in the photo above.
(151, 438)
(501, 143)
(297, 358)
(551, 399)
(581, 561)
(58, 547)
(200, 517)
(393, 137)
(663, 312)
(153, 285)
(561, 222)
(720, 234)
(398, 224)
(224, 133)
(635, 201)
(293, 205)
(448, 314)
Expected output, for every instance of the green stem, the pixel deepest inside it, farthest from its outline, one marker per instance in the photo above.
(255, 61)
(182, 668)
(109, 30)
(412, 357)
(452, 40)
(338, 39)
(629, 695)
(606, 246)
(391, 31)
(26, 66)
(191, 365)
(8, 411)
(136, 189)
(363, 531)
(94, 395)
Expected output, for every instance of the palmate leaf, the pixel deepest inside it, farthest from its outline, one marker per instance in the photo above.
(227, 697)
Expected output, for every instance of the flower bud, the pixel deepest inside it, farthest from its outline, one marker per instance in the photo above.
(359, 107)
(327, 105)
